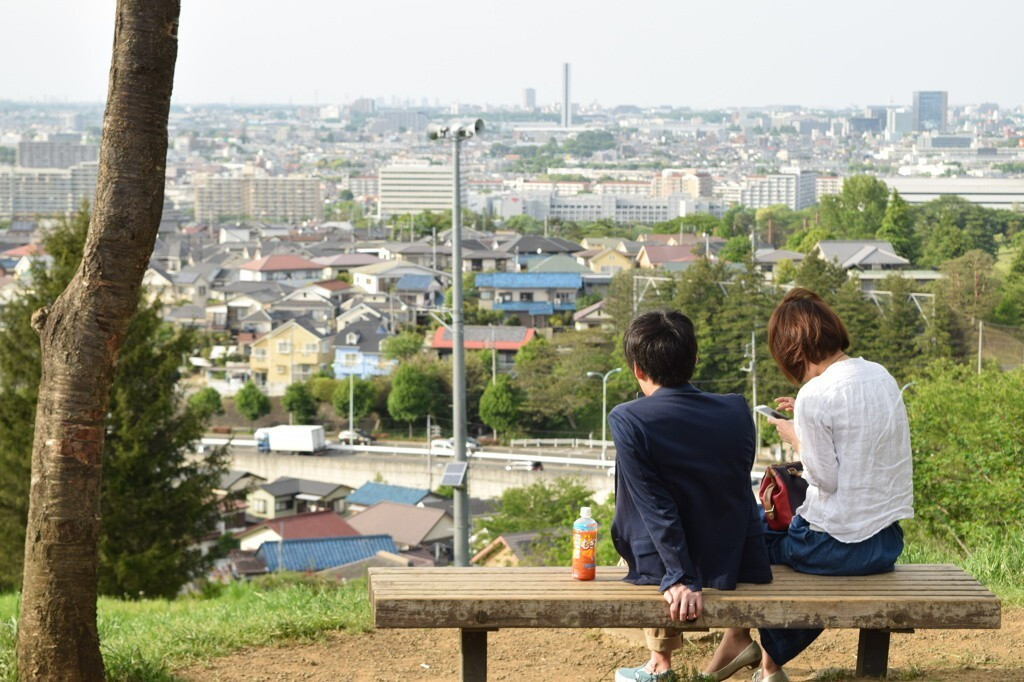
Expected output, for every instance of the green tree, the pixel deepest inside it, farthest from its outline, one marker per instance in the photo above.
(251, 402)
(299, 403)
(971, 285)
(898, 227)
(402, 346)
(735, 250)
(364, 397)
(785, 271)
(950, 226)
(150, 429)
(323, 388)
(416, 391)
(805, 239)
(899, 327)
(206, 401)
(857, 211)
(500, 404)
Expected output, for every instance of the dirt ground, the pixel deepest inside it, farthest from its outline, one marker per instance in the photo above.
(962, 655)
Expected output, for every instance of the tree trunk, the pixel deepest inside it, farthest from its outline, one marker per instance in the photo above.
(80, 337)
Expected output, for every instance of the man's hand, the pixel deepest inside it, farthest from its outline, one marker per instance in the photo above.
(682, 603)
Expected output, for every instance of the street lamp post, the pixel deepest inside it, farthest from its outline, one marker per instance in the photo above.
(456, 132)
(604, 407)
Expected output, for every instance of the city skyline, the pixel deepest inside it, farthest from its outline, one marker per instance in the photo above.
(681, 56)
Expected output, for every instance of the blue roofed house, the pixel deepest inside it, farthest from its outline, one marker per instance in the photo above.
(420, 290)
(371, 493)
(318, 554)
(357, 350)
(532, 296)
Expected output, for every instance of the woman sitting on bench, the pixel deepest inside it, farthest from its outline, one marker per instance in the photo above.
(850, 429)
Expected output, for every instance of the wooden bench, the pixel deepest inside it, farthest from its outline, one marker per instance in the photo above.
(479, 600)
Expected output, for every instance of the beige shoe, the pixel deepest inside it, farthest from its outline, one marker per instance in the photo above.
(777, 676)
(750, 657)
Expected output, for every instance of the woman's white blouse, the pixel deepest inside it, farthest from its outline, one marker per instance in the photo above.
(855, 447)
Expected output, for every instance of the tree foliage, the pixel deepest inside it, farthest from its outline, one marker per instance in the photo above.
(500, 405)
(364, 397)
(898, 227)
(300, 403)
(402, 346)
(857, 211)
(251, 402)
(206, 401)
(416, 391)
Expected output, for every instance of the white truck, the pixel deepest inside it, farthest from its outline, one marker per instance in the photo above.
(305, 440)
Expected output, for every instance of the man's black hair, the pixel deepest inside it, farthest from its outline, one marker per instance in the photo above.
(663, 345)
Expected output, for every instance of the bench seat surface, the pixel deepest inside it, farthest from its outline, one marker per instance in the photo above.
(913, 596)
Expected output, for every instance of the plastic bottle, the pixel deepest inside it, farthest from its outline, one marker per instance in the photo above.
(584, 546)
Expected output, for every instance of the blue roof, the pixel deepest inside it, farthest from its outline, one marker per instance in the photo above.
(371, 493)
(413, 282)
(317, 554)
(530, 280)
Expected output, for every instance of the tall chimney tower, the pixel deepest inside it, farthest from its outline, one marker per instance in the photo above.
(566, 99)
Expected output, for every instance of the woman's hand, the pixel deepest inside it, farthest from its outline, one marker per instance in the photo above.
(787, 433)
(785, 403)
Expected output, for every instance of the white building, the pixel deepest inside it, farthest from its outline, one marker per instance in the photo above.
(791, 187)
(415, 189)
(58, 153)
(1005, 193)
(28, 192)
(292, 198)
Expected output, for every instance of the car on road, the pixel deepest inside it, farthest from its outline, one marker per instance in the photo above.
(448, 445)
(524, 466)
(358, 437)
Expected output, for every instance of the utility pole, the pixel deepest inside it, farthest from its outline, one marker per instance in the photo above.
(351, 407)
(981, 334)
(751, 352)
(494, 356)
(433, 248)
(604, 407)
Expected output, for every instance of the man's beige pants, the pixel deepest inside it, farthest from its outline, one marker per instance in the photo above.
(662, 640)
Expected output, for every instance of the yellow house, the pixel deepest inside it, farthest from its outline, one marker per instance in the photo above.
(292, 353)
(610, 261)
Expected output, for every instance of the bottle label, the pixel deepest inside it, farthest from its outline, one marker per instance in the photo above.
(584, 554)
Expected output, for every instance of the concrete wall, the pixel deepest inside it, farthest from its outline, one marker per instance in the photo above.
(486, 480)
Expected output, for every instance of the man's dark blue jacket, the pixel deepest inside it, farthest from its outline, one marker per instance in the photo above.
(684, 510)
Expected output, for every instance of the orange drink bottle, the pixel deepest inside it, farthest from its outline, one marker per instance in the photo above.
(584, 546)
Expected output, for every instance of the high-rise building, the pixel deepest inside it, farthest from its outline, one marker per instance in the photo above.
(566, 98)
(415, 189)
(691, 182)
(792, 187)
(291, 198)
(56, 152)
(930, 110)
(28, 192)
(529, 99)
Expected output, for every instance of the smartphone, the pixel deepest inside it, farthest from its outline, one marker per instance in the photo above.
(766, 411)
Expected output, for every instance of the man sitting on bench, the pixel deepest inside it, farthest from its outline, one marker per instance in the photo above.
(685, 516)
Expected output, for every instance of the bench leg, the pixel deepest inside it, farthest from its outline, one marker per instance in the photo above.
(873, 653)
(474, 655)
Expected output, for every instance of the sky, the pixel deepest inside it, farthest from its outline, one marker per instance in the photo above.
(701, 54)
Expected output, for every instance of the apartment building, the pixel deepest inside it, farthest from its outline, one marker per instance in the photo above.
(28, 192)
(291, 198)
(693, 183)
(415, 189)
(58, 153)
(793, 187)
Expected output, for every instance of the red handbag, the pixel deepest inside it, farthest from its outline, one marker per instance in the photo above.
(783, 490)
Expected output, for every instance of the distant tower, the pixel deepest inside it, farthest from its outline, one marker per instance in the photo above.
(566, 99)
(930, 108)
(529, 99)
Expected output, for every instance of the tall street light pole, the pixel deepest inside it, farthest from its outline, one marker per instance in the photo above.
(604, 407)
(457, 131)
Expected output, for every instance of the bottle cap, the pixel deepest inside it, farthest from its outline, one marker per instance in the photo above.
(585, 512)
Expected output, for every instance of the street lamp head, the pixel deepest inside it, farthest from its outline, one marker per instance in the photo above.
(593, 374)
(617, 369)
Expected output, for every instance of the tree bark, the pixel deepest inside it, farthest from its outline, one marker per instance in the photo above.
(80, 337)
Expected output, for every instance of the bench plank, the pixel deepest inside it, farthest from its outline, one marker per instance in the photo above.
(914, 596)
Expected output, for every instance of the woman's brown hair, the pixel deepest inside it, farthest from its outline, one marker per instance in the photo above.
(803, 330)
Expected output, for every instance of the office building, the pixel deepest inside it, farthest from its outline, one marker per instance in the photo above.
(415, 189)
(930, 110)
(289, 198)
(56, 152)
(29, 192)
(529, 99)
(1005, 193)
(566, 98)
(591, 207)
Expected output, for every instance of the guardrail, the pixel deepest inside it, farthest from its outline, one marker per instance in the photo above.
(560, 442)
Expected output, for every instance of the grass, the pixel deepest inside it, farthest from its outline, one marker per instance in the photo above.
(841, 674)
(144, 641)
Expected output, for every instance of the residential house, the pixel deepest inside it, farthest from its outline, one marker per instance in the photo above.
(557, 263)
(409, 526)
(423, 253)
(357, 350)
(532, 296)
(289, 354)
(379, 278)
(505, 341)
(861, 254)
(420, 291)
(320, 554)
(607, 261)
(291, 496)
(235, 481)
(767, 260)
(344, 262)
(655, 255)
(186, 286)
(593, 317)
(486, 260)
(628, 247)
(371, 492)
(528, 248)
(508, 549)
(321, 524)
(281, 267)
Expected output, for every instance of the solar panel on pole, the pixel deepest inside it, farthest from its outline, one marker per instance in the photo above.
(454, 474)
